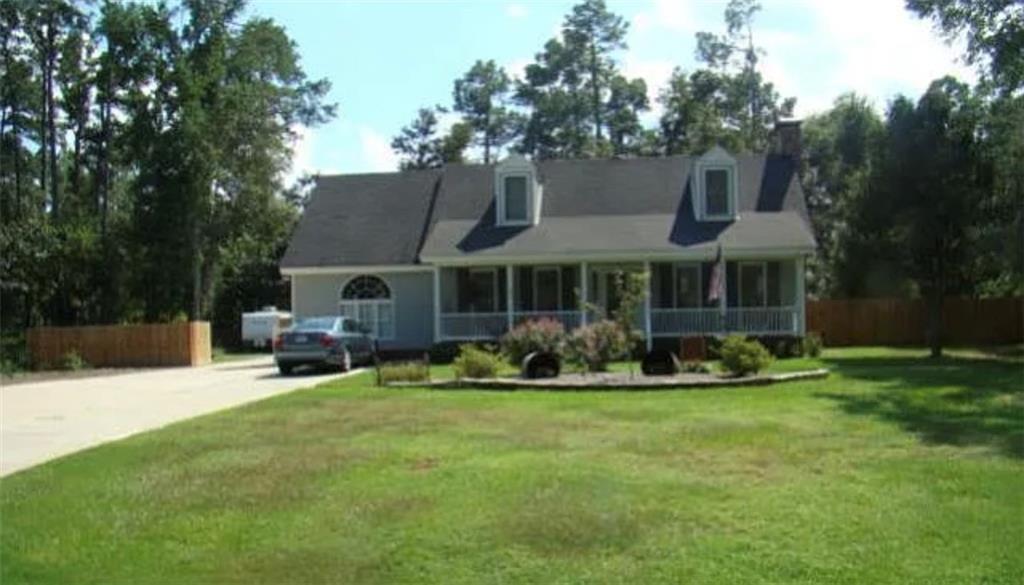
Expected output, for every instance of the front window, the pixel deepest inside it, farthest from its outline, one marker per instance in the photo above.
(547, 289)
(516, 199)
(716, 192)
(483, 291)
(753, 285)
(367, 300)
(687, 286)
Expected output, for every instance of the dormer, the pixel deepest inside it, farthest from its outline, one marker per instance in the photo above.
(715, 186)
(517, 192)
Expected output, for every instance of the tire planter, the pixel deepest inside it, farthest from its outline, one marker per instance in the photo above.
(539, 365)
(660, 362)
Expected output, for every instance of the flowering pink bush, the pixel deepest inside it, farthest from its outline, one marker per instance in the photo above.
(594, 346)
(547, 335)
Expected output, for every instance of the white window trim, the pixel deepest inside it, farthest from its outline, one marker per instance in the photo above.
(494, 287)
(675, 283)
(558, 275)
(375, 303)
(739, 284)
(528, 178)
(730, 199)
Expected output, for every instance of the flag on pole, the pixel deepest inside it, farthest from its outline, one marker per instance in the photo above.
(715, 292)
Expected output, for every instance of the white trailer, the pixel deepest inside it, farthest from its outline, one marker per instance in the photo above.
(260, 327)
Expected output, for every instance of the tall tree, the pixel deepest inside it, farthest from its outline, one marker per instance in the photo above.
(568, 88)
(994, 30)
(481, 96)
(840, 149)
(751, 105)
(417, 143)
(421, 147)
(933, 185)
(591, 34)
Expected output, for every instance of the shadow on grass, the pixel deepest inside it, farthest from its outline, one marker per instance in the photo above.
(947, 401)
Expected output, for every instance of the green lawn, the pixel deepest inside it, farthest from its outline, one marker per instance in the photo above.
(897, 469)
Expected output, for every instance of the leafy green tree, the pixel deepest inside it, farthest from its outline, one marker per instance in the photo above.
(994, 30)
(749, 105)
(417, 143)
(626, 100)
(933, 184)
(592, 33)
(421, 147)
(481, 96)
(840, 150)
(693, 113)
(574, 93)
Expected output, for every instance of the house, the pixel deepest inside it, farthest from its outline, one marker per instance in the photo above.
(465, 252)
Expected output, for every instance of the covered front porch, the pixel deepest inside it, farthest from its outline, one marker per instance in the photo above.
(762, 297)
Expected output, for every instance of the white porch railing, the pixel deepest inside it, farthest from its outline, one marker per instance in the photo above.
(473, 325)
(569, 319)
(760, 320)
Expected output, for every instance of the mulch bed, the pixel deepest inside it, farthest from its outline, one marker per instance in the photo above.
(617, 381)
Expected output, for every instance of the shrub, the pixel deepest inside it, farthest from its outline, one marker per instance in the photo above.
(741, 356)
(813, 344)
(72, 361)
(474, 362)
(542, 335)
(593, 346)
(404, 372)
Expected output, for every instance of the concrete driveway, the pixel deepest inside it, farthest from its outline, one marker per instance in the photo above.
(40, 421)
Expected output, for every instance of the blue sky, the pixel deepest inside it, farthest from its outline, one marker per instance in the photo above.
(385, 59)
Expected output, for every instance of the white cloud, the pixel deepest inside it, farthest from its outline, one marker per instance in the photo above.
(516, 68)
(302, 153)
(674, 15)
(376, 151)
(882, 49)
(516, 10)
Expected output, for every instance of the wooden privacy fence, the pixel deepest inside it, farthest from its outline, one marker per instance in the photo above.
(904, 321)
(164, 344)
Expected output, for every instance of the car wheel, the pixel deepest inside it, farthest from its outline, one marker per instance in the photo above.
(285, 369)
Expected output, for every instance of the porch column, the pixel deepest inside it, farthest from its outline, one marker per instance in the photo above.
(583, 293)
(801, 297)
(437, 304)
(508, 295)
(647, 307)
(722, 306)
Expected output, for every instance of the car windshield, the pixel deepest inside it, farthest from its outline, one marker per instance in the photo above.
(322, 323)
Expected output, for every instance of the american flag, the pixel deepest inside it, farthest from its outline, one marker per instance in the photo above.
(715, 291)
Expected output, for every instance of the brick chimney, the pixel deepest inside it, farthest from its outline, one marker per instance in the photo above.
(787, 139)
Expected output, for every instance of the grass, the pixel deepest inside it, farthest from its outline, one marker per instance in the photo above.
(897, 469)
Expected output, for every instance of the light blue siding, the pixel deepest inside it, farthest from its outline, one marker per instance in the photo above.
(411, 292)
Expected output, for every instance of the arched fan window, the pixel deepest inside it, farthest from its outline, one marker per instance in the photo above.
(367, 299)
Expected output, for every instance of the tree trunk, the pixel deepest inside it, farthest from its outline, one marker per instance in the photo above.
(52, 122)
(935, 302)
(487, 138)
(596, 93)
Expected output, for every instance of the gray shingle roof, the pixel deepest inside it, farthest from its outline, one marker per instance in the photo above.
(589, 206)
(370, 219)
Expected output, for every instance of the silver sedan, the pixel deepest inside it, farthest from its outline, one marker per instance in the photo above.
(323, 341)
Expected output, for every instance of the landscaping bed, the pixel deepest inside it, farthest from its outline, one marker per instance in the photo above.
(618, 380)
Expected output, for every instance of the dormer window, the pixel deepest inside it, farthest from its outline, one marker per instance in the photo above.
(516, 199)
(715, 187)
(518, 193)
